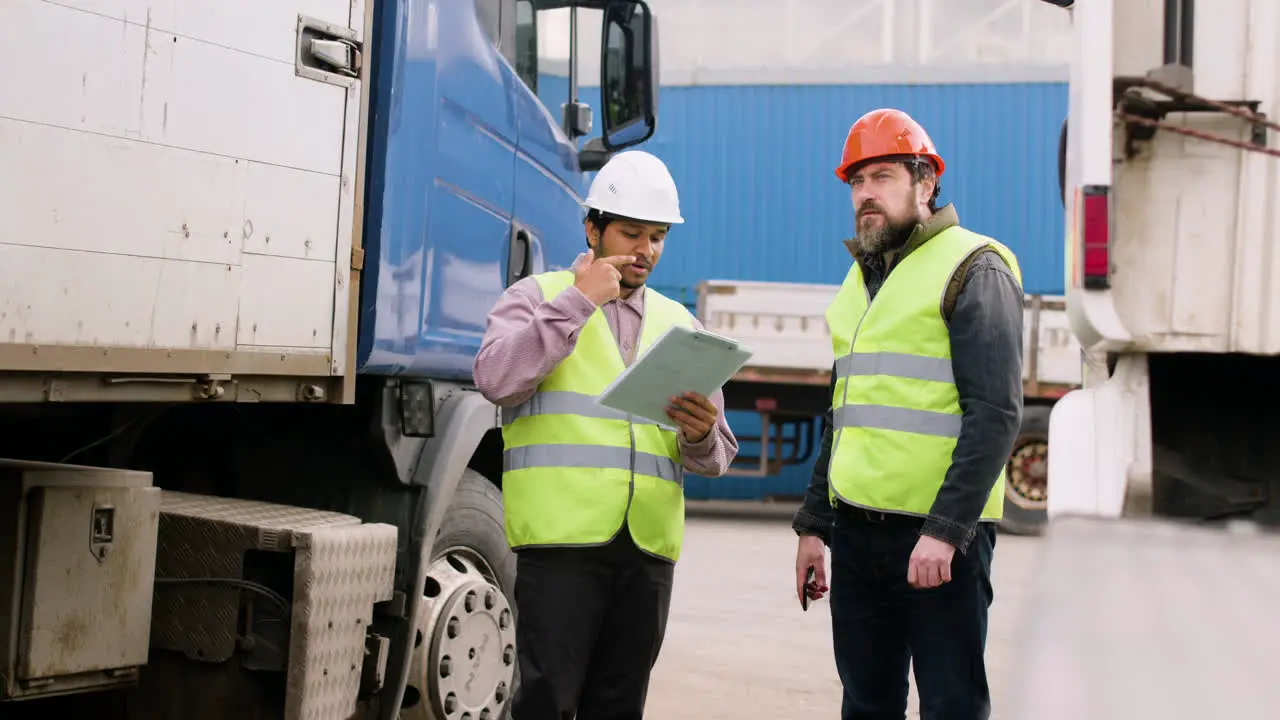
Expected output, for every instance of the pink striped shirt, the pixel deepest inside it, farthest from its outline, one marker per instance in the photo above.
(526, 338)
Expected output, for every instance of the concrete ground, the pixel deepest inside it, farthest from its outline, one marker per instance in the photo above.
(738, 646)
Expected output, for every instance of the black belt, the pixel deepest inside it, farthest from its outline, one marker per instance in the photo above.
(879, 517)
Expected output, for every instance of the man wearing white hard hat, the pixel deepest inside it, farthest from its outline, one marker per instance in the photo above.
(593, 500)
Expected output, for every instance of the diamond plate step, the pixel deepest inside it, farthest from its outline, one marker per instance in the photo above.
(341, 568)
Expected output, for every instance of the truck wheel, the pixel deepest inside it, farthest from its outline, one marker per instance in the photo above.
(1026, 491)
(464, 658)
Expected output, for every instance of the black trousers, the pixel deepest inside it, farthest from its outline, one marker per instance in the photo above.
(590, 623)
(880, 623)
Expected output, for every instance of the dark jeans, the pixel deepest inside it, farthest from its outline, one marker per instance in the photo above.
(880, 623)
(590, 623)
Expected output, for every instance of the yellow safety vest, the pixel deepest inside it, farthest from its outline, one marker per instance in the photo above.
(574, 470)
(896, 410)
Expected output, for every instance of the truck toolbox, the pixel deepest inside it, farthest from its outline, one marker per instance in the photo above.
(339, 569)
(78, 551)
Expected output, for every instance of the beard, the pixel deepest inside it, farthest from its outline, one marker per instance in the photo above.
(889, 235)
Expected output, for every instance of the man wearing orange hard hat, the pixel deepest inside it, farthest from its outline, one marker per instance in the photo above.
(926, 403)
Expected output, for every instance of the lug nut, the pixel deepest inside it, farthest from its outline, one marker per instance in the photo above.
(450, 703)
(500, 693)
(504, 619)
(446, 666)
(485, 714)
(508, 655)
(490, 599)
(453, 627)
(470, 602)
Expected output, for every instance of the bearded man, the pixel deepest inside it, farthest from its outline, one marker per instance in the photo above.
(926, 404)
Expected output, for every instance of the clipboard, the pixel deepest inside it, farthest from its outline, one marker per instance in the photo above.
(681, 360)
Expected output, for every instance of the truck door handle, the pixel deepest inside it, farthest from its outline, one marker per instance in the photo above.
(327, 52)
(519, 257)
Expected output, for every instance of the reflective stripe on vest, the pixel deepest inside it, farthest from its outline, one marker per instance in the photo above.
(896, 411)
(573, 470)
(561, 402)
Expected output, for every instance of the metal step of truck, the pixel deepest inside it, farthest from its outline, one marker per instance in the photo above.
(340, 568)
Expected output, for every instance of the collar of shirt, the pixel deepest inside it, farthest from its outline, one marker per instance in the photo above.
(634, 303)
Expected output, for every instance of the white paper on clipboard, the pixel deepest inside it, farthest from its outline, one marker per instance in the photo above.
(681, 360)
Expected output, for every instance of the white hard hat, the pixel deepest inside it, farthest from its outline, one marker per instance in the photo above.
(636, 185)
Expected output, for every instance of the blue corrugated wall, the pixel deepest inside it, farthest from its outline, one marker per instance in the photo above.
(754, 168)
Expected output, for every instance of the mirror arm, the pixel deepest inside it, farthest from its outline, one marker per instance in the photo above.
(593, 155)
(575, 117)
(592, 160)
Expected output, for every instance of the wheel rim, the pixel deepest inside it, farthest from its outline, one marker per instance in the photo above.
(464, 656)
(1028, 474)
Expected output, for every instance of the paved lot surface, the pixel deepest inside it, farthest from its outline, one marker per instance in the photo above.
(738, 646)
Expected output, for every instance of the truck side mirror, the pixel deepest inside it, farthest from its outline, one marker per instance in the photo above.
(628, 74)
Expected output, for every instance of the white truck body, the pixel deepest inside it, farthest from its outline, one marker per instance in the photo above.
(1137, 614)
(785, 325)
(1192, 262)
(136, 130)
(1192, 228)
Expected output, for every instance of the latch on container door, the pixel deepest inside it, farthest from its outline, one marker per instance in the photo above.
(102, 531)
(327, 52)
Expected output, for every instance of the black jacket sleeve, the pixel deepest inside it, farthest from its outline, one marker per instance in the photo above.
(815, 514)
(986, 358)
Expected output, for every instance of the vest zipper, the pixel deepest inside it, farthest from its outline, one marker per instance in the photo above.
(631, 427)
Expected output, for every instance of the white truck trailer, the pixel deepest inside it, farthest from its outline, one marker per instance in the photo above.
(787, 381)
(1161, 568)
(1170, 185)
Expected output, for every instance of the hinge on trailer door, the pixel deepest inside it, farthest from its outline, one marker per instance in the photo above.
(327, 52)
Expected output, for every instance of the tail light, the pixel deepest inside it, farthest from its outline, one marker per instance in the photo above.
(1096, 236)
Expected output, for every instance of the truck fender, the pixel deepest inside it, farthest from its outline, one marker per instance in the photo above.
(464, 418)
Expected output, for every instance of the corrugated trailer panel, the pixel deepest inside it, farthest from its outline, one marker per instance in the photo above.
(755, 168)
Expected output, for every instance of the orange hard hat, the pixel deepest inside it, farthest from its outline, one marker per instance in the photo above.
(883, 133)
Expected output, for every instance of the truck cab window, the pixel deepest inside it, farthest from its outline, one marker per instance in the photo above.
(526, 61)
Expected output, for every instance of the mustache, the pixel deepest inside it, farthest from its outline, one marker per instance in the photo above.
(870, 207)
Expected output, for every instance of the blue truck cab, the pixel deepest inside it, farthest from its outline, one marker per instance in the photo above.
(472, 182)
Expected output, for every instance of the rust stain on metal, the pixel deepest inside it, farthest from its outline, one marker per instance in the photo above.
(71, 635)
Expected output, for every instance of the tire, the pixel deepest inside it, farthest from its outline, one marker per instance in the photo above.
(1026, 489)
(471, 543)
(474, 520)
